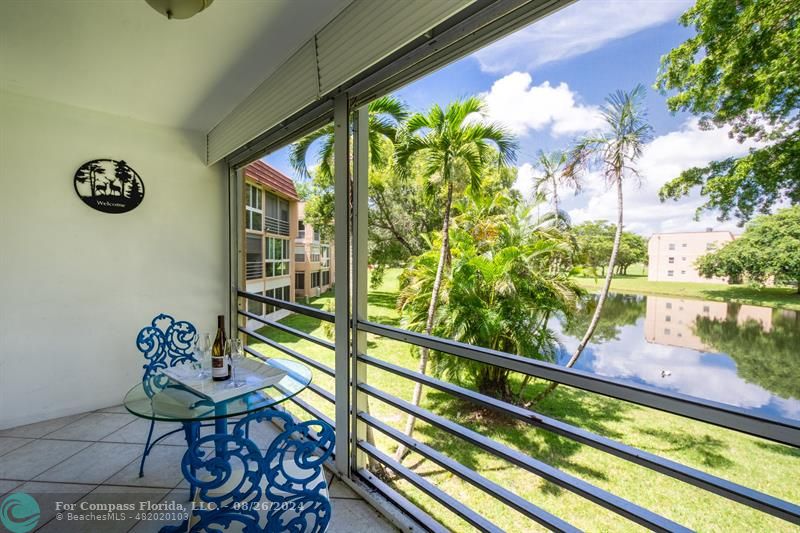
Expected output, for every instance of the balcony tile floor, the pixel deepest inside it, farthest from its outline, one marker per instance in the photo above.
(94, 457)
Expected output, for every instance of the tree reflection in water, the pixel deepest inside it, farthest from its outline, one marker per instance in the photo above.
(764, 344)
(619, 310)
(770, 359)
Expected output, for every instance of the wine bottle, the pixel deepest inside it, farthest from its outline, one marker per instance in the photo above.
(220, 369)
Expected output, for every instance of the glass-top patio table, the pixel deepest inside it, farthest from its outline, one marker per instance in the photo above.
(163, 400)
(228, 448)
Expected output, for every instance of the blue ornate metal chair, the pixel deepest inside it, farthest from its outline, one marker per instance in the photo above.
(166, 342)
(283, 489)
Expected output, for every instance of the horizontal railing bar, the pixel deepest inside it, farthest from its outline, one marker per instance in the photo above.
(322, 392)
(288, 351)
(313, 387)
(313, 411)
(423, 518)
(430, 489)
(752, 498)
(489, 487)
(288, 329)
(291, 306)
(303, 405)
(315, 414)
(779, 430)
(597, 495)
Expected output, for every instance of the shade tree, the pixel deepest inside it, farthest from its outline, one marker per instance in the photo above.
(769, 249)
(740, 71)
(762, 357)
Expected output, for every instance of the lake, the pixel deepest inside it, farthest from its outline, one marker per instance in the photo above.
(741, 355)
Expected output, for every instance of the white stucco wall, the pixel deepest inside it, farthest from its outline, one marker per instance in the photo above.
(76, 284)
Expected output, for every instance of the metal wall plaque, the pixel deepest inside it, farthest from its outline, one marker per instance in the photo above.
(108, 185)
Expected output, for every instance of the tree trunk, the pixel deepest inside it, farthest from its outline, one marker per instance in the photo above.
(603, 295)
(555, 196)
(527, 377)
(437, 282)
(390, 225)
(493, 381)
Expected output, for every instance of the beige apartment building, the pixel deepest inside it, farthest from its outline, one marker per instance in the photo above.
(671, 256)
(270, 211)
(313, 259)
(286, 259)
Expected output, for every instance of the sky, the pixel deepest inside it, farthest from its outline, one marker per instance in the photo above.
(545, 84)
(709, 375)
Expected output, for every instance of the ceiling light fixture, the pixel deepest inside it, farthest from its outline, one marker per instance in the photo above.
(179, 9)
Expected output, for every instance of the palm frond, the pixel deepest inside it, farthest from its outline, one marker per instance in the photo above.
(390, 106)
(298, 151)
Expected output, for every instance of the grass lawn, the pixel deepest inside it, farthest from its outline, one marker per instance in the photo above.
(636, 282)
(762, 465)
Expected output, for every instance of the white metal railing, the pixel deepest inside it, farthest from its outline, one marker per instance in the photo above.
(778, 430)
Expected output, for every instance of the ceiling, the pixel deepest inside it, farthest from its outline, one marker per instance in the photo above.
(122, 57)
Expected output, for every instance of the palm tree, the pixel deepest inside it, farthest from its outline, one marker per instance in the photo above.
(617, 149)
(386, 114)
(453, 149)
(501, 291)
(553, 176)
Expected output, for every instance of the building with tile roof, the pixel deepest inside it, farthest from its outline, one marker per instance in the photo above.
(284, 257)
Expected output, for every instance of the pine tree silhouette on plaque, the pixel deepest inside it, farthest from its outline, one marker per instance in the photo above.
(124, 174)
(135, 191)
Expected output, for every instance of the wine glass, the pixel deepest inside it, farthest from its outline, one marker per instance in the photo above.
(234, 350)
(202, 347)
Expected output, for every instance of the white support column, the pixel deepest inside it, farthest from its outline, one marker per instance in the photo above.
(358, 399)
(235, 230)
(341, 216)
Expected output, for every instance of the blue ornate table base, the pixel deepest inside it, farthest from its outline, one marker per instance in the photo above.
(283, 489)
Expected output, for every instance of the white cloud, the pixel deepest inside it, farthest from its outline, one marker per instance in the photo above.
(576, 29)
(523, 107)
(632, 357)
(689, 375)
(664, 158)
(788, 408)
(526, 177)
